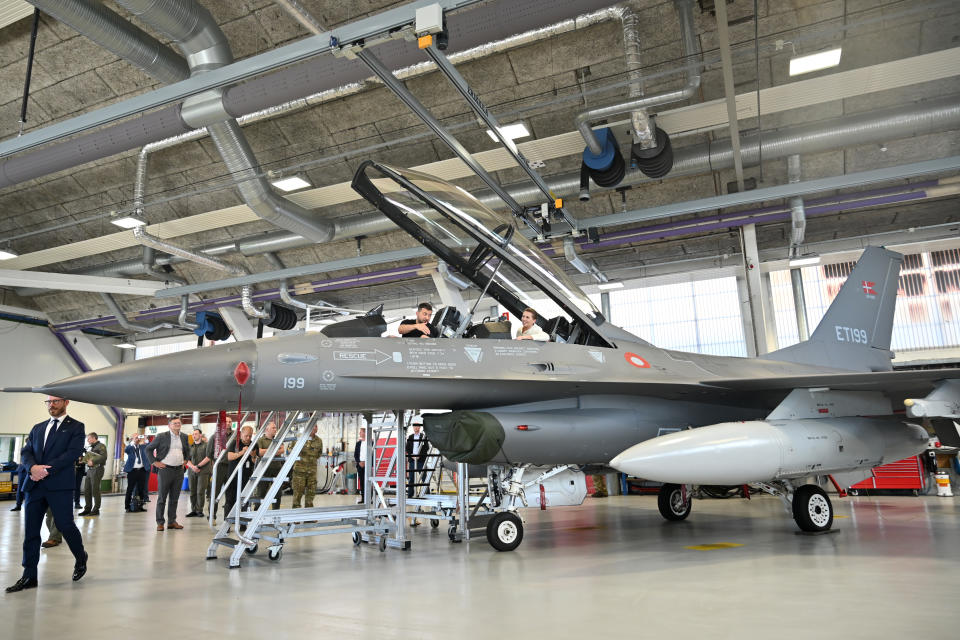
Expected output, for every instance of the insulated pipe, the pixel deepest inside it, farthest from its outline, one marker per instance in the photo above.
(197, 34)
(246, 303)
(118, 36)
(689, 42)
(642, 128)
(146, 239)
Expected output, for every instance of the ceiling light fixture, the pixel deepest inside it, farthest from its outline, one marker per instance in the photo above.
(815, 62)
(511, 131)
(290, 183)
(606, 286)
(804, 261)
(128, 222)
(7, 254)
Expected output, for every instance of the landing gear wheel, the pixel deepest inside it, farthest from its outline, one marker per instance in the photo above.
(275, 555)
(382, 545)
(452, 533)
(357, 538)
(252, 550)
(505, 531)
(812, 509)
(671, 503)
(434, 523)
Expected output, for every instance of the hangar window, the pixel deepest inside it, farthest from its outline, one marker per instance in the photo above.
(702, 316)
(928, 301)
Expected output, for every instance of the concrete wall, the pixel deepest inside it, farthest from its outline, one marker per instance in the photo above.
(32, 355)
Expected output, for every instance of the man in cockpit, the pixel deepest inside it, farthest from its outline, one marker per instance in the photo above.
(529, 329)
(419, 327)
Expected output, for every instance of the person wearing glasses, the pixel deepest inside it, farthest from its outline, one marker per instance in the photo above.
(48, 454)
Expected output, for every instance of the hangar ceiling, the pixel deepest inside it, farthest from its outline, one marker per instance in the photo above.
(889, 103)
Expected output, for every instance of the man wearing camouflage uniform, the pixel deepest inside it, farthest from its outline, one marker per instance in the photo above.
(95, 459)
(305, 471)
(199, 479)
(275, 465)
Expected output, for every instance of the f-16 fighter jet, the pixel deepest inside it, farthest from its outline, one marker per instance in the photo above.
(593, 395)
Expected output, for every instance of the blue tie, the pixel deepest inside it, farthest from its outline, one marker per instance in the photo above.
(53, 432)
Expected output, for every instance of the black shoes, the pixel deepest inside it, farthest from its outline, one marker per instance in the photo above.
(21, 584)
(95, 512)
(16, 508)
(192, 514)
(85, 512)
(79, 569)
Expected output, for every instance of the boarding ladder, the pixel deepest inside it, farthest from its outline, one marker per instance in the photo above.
(368, 522)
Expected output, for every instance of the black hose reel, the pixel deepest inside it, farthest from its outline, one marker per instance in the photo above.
(657, 161)
(281, 317)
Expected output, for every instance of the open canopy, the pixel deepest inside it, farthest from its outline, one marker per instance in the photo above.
(484, 246)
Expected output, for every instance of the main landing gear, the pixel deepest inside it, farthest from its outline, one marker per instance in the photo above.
(675, 501)
(809, 504)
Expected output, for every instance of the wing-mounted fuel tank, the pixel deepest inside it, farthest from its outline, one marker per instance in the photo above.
(742, 452)
(585, 430)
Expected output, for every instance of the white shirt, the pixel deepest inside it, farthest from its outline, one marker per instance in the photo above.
(137, 457)
(175, 455)
(46, 434)
(535, 333)
(363, 451)
(417, 443)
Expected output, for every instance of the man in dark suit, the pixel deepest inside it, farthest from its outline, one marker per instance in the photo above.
(135, 467)
(170, 454)
(417, 447)
(22, 474)
(49, 453)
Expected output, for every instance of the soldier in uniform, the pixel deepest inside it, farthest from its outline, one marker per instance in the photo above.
(275, 465)
(199, 479)
(95, 459)
(305, 471)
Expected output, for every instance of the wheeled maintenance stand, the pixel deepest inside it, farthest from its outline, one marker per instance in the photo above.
(252, 520)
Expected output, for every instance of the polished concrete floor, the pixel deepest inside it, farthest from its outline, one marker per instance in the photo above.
(610, 568)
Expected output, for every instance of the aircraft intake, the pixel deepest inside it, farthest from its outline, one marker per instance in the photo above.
(474, 437)
(741, 452)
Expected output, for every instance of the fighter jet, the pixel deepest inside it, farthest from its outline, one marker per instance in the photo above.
(594, 394)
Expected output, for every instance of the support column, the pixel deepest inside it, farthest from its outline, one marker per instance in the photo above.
(754, 297)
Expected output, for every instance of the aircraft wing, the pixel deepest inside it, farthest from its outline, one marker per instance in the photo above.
(914, 382)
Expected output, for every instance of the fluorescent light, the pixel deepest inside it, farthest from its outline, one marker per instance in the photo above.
(815, 62)
(804, 261)
(6, 254)
(291, 183)
(129, 222)
(606, 286)
(511, 131)
(125, 345)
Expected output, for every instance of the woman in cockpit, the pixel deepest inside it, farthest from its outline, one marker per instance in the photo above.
(530, 330)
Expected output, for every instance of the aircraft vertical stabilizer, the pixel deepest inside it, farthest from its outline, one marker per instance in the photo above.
(855, 332)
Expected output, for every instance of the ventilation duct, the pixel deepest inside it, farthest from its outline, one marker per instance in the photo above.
(881, 125)
(197, 34)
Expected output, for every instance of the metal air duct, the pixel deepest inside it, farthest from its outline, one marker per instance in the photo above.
(197, 34)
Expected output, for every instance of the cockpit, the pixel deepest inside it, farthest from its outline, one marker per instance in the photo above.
(483, 246)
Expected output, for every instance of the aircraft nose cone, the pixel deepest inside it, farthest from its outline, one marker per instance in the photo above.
(202, 379)
(725, 454)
